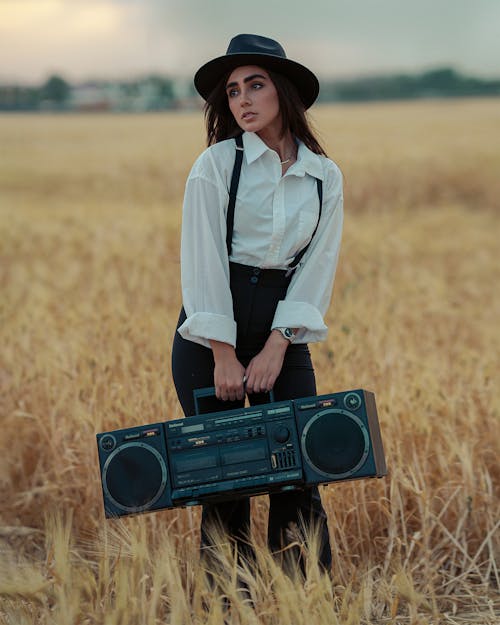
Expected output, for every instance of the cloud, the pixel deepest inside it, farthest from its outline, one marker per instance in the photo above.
(38, 35)
(49, 17)
(336, 37)
(114, 38)
(94, 37)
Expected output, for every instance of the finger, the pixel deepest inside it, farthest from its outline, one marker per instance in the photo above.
(249, 380)
(267, 385)
(252, 386)
(259, 386)
(237, 391)
(237, 395)
(224, 395)
(270, 383)
(264, 382)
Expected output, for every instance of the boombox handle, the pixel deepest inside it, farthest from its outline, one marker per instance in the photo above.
(209, 391)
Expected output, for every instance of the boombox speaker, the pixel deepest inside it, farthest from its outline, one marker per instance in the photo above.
(134, 470)
(339, 437)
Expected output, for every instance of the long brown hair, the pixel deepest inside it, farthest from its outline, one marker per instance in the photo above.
(222, 125)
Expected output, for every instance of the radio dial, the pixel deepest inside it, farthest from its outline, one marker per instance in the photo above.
(352, 401)
(108, 442)
(281, 434)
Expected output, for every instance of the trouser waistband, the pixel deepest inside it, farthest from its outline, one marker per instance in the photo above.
(256, 275)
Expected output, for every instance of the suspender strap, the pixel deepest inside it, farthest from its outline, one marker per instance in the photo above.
(298, 257)
(235, 179)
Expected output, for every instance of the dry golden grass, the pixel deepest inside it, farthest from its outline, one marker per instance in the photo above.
(90, 217)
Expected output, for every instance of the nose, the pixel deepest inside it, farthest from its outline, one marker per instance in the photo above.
(244, 97)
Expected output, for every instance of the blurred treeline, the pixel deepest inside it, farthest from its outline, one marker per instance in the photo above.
(436, 83)
(163, 93)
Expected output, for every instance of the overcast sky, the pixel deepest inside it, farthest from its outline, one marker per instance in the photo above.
(82, 39)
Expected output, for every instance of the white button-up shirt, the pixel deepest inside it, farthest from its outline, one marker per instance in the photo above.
(274, 219)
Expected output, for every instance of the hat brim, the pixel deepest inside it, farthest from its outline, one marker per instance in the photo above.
(306, 83)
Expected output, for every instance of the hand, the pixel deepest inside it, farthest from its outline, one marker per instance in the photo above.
(228, 372)
(265, 367)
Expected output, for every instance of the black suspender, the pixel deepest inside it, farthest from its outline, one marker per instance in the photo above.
(235, 179)
(298, 257)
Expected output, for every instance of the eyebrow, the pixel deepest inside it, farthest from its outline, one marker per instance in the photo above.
(245, 80)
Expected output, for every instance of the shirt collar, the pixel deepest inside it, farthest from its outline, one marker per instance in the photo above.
(307, 161)
(253, 146)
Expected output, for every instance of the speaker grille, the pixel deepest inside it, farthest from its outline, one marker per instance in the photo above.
(335, 443)
(134, 476)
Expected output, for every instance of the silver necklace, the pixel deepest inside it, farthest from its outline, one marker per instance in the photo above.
(287, 160)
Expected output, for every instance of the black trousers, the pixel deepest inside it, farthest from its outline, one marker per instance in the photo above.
(256, 294)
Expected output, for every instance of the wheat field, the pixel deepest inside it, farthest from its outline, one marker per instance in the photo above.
(90, 224)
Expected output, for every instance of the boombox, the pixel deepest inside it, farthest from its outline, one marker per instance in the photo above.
(269, 448)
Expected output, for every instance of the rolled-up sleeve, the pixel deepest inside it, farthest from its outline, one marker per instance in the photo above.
(310, 290)
(206, 292)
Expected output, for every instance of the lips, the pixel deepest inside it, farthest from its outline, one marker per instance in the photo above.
(248, 115)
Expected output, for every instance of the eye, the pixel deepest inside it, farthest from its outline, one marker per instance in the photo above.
(231, 93)
(257, 85)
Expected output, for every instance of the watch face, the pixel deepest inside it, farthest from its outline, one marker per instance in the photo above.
(288, 333)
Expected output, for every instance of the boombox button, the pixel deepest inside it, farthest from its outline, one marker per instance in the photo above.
(352, 401)
(307, 406)
(108, 443)
(326, 403)
(129, 437)
(151, 432)
(281, 434)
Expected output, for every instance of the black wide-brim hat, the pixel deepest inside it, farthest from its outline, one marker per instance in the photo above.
(262, 51)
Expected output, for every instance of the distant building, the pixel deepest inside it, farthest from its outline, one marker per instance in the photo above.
(94, 97)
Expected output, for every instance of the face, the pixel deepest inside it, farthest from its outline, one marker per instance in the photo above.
(253, 100)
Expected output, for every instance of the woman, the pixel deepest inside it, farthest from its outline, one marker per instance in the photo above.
(257, 265)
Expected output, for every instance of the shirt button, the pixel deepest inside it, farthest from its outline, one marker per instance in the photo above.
(256, 271)
(254, 279)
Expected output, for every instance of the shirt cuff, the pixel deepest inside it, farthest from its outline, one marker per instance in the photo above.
(303, 316)
(202, 327)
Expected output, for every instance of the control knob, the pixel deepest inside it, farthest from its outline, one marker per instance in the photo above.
(108, 442)
(281, 434)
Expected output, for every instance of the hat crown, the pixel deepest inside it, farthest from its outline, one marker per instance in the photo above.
(255, 44)
(248, 49)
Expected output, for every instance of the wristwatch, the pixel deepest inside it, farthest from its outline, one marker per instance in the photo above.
(288, 333)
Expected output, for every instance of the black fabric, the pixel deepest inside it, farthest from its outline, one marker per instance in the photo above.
(256, 294)
(193, 367)
(235, 179)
